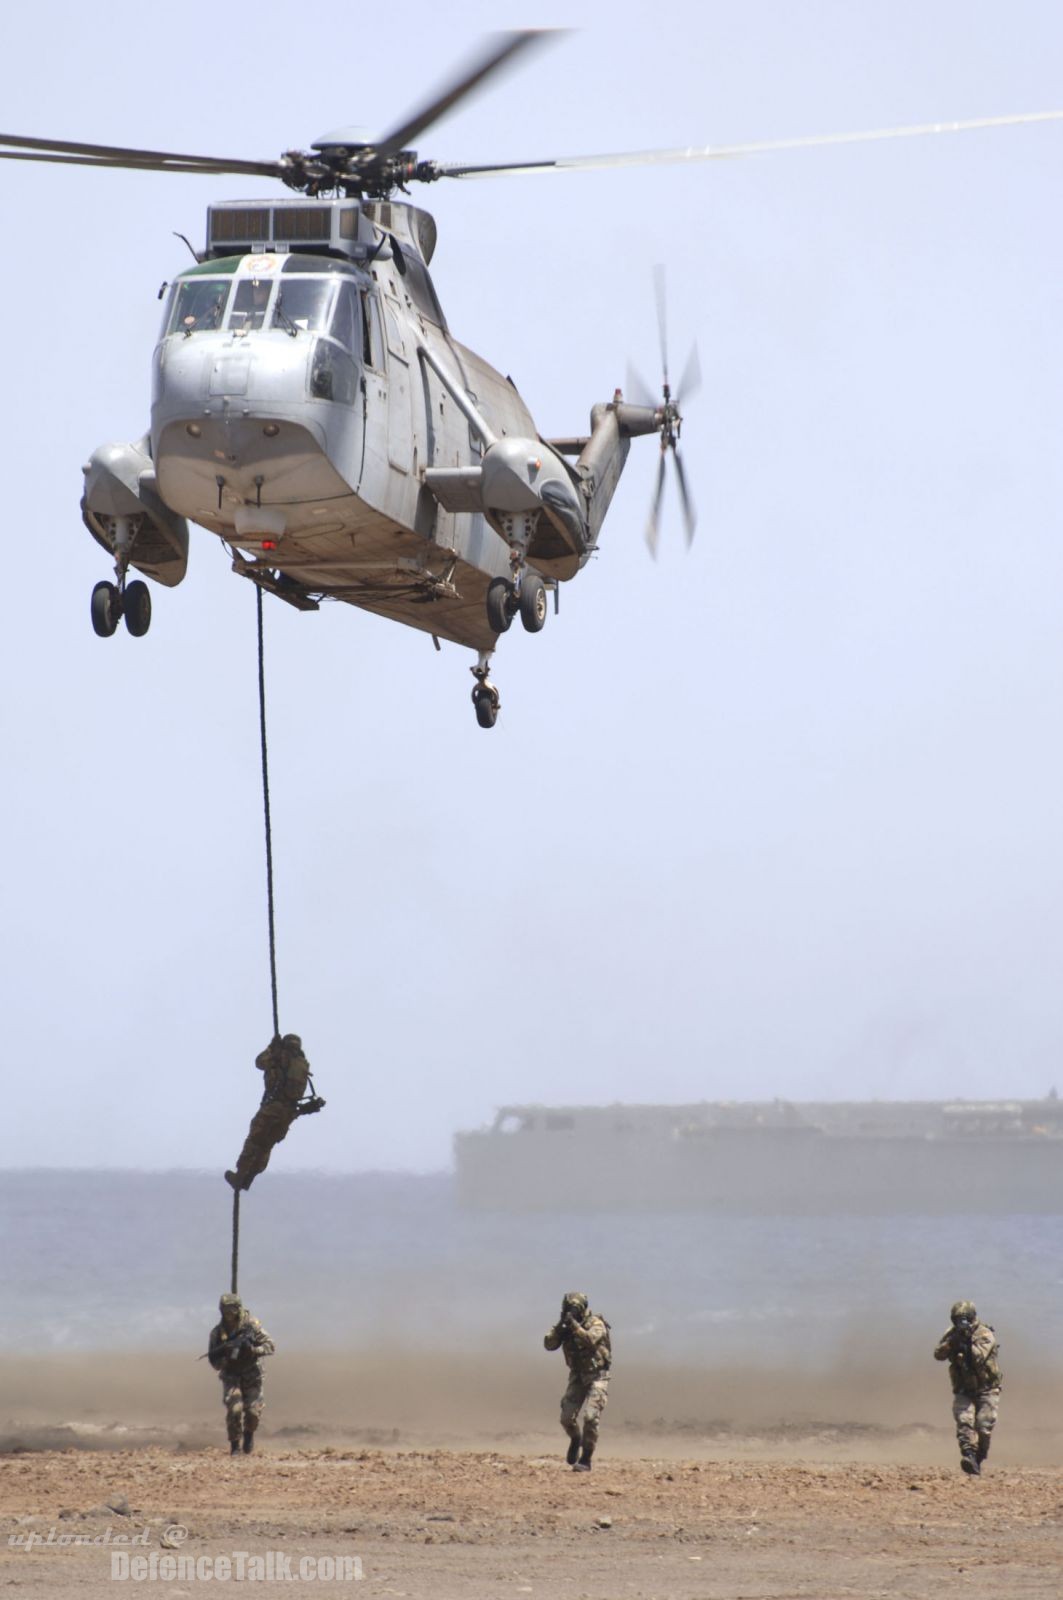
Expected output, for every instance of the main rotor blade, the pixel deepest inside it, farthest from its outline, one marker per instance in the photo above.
(502, 48)
(726, 152)
(690, 516)
(652, 526)
(138, 166)
(77, 153)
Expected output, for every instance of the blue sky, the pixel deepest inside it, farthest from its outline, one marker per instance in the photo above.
(780, 817)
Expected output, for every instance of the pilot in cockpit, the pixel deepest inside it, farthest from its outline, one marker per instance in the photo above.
(205, 311)
(249, 307)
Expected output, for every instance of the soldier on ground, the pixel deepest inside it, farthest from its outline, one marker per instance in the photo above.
(238, 1345)
(287, 1074)
(970, 1347)
(583, 1336)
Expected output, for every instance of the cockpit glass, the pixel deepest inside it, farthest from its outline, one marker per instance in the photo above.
(250, 305)
(345, 317)
(302, 305)
(199, 305)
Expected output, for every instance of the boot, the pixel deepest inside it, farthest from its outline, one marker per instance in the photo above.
(249, 1442)
(232, 1180)
(584, 1462)
(983, 1448)
(969, 1462)
(234, 1447)
(573, 1452)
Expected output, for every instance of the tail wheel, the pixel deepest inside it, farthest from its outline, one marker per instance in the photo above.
(499, 604)
(106, 608)
(137, 608)
(532, 602)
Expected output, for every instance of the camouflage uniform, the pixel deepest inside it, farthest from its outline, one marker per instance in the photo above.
(287, 1074)
(584, 1338)
(970, 1347)
(240, 1371)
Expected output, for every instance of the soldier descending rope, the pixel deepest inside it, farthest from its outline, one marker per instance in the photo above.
(285, 1097)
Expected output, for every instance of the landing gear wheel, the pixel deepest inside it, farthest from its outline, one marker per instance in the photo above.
(137, 608)
(500, 605)
(106, 608)
(485, 699)
(532, 602)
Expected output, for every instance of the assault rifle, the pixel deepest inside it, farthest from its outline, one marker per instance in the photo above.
(232, 1347)
(961, 1341)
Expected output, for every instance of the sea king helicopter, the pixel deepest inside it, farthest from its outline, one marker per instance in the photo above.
(311, 407)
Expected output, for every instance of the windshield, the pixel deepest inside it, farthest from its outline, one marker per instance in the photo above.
(302, 305)
(198, 305)
(295, 305)
(249, 305)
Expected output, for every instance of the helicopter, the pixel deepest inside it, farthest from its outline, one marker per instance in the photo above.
(311, 408)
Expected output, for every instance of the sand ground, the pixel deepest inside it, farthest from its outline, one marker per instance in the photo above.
(735, 1505)
(437, 1524)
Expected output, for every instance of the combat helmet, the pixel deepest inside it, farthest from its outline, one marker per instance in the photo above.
(964, 1311)
(576, 1302)
(292, 1041)
(230, 1302)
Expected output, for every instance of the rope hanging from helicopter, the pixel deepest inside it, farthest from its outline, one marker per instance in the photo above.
(289, 1087)
(270, 906)
(266, 817)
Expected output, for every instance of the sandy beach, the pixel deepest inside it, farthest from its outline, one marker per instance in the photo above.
(450, 1525)
(399, 1471)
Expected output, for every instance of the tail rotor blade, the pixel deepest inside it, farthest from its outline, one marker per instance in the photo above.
(638, 392)
(690, 516)
(652, 527)
(690, 382)
(659, 284)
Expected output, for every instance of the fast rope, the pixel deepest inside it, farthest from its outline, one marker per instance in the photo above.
(269, 895)
(265, 808)
(234, 1286)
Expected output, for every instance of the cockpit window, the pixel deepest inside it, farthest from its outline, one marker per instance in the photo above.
(343, 317)
(250, 304)
(198, 306)
(302, 305)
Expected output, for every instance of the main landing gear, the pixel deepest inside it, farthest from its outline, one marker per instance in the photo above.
(486, 702)
(113, 601)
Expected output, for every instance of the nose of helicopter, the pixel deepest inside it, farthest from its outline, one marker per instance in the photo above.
(239, 441)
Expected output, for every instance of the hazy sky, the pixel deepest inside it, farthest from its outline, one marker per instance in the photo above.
(781, 817)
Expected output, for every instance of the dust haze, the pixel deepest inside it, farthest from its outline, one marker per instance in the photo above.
(887, 1403)
(403, 1319)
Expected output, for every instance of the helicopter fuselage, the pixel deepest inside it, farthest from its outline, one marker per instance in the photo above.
(305, 449)
(311, 408)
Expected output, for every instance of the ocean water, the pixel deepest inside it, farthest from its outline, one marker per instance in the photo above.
(129, 1261)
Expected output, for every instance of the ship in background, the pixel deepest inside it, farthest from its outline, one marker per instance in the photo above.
(780, 1157)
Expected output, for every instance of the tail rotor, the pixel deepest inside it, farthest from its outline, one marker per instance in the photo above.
(669, 421)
